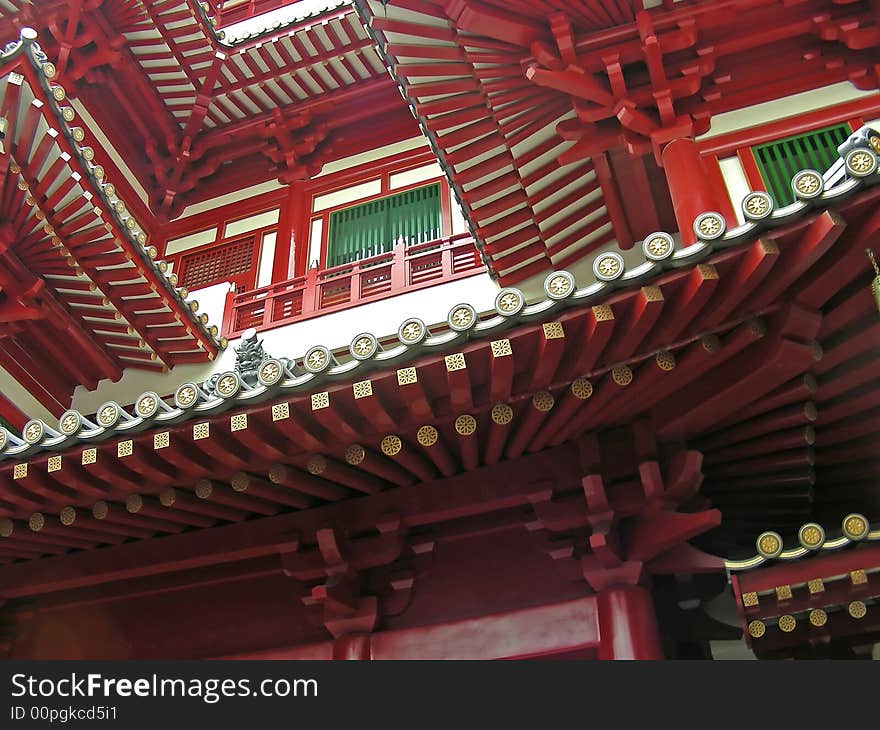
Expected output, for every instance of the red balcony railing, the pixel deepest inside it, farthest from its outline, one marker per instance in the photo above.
(403, 269)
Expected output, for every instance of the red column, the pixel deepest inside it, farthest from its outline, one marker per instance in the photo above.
(353, 648)
(627, 624)
(690, 186)
(291, 246)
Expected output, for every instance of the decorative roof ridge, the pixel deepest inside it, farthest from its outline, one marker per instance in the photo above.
(210, 23)
(279, 377)
(126, 224)
(811, 540)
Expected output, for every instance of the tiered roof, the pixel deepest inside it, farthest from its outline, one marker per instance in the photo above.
(526, 102)
(75, 258)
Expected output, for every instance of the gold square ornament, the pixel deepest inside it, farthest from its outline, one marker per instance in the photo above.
(124, 448)
(501, 348)
(455, 362)
(89, 456)
(19, 471)
(201, 431)
(54, 464)
(280, 411)
(161, 440)
(238, 422)
(320, 400)
(362, 389)
(553, 331)
(407, 376)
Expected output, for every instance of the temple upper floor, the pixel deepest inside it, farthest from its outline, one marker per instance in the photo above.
(302, 170)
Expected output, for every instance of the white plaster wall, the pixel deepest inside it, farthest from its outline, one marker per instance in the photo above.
(788, 106)
(737, 184)
(333, 330)
(23, 400)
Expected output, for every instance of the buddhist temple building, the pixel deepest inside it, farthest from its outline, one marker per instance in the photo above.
(427, 329)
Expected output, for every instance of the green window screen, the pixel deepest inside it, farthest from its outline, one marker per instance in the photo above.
(779, 161)
(373, 228)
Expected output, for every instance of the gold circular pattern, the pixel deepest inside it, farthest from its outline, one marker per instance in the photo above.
(68, 516)
(622, 375)
(240, 482)
(49, 70)
(543, 401)
(58, 93)
(757, 629)
(658, 246)
(502, 414)
(270, 371)
(710, 225)
(227, 385)
(811, 536)
(100, 510)
(7, 527)
(68, 114)
(37, 521)
(857, 609)
(134, 503)
(77, 133)
(204, 489)
(787, 623)
(769, 544)
(363, 346)
(108, 414)
(581, 388)
(391, 445)
(608, 266)
(466, 425)
(147, 405)
(807, 183)
(186, 395)
(355, 454)
(860, 161)
(757, 205)
(461, 317)
(559, 285)
(509, 302)
(411, 332)
(665, 360)
(33, 432)
(818, 617)
(855, 526)
(317, 359)
(317, 464)
(427, 435)
(168, 497)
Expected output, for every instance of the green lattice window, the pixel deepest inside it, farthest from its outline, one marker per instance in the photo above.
(372, 228)
(779, 161)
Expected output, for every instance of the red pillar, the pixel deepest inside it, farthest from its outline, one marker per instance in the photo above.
(690, 186)
(291, 246)
(627, 624)
(353, 648)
